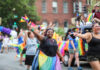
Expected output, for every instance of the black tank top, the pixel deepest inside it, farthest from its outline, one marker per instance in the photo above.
(94, 47)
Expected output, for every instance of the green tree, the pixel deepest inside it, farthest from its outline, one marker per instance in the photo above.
(60, 31)
(9, 8)
(92, 5)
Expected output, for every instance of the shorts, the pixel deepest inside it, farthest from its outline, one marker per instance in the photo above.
(71, 51)
(29, 59)
(93, 58)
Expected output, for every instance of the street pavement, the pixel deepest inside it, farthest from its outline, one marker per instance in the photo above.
(8, 62)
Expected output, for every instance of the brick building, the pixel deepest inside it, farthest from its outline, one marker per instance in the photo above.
(59, 12)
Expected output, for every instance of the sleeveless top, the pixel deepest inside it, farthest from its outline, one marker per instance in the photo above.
(48, 46)
(94, 47)
(31, 46)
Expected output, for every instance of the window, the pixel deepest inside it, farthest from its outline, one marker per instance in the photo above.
(65, 26)
(80, 6)
(89, 2)
(44, 6)
(54, 7)
(56, 25)
(74, 8)
(65, 7)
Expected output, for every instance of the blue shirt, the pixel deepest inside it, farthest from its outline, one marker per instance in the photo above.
(74, 41)
(20, 40)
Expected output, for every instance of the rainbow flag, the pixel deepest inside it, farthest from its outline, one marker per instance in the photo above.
(63, 46)
(18, 48)
(80, 47)
(24, 19)
(30, 23)
(89, 18)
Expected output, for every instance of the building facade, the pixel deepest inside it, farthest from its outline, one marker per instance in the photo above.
(58, 12)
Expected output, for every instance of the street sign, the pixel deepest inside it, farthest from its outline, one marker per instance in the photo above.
(0, 20)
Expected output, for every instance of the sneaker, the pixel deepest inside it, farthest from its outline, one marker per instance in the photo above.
(79, 68)
(70, 68)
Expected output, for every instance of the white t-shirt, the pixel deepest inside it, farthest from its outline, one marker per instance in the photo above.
(5, 42)
(31, 46)
(81, 25)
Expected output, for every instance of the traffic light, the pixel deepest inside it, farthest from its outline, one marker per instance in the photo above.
(77, 8)
(85, 10)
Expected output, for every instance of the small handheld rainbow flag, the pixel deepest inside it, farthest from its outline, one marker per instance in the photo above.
(32, 23)
(24, 19)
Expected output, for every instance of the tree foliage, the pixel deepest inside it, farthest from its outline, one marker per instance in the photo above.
(9, 8)
(60, 31)
(92, 5)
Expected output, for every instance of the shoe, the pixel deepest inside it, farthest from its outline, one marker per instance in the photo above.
(70, 68)
(79, 68)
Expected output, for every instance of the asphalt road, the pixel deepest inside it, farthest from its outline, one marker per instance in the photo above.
(8, 62)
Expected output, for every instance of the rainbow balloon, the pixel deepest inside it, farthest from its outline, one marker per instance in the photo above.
(89, 18)
(5, 30)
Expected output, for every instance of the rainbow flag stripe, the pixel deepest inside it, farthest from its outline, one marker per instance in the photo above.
(44, 62)
(63, 45)
(89, 18)
(81, 47)
(47, 63)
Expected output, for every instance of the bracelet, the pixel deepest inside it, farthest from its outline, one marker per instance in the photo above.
(32, 29)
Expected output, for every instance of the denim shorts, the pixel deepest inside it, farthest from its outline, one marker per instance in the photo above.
(93, 58)
(71, 51)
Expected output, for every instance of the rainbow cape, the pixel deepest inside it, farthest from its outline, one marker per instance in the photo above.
(89, 18)
(44, 62)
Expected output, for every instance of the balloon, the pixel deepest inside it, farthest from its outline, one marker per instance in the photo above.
(6, 30)
(1, 28)
(89, 24)
(13, 33)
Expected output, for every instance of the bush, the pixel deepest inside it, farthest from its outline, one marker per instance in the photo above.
(60, 31)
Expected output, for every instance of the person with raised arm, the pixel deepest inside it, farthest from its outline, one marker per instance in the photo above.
(49, 49)
(93, 40)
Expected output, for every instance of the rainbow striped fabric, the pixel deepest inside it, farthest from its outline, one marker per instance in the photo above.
(81, 47)
(44, 62)
(63, 45)
(89, 18)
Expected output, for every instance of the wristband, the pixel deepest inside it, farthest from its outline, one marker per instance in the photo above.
(32, 29)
